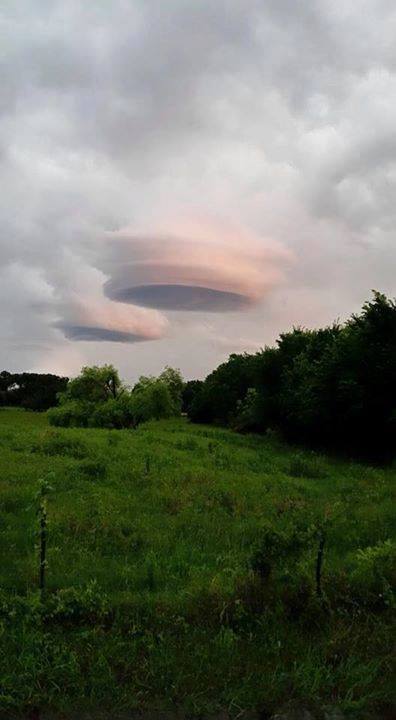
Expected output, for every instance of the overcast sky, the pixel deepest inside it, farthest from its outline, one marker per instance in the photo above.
(185, 179)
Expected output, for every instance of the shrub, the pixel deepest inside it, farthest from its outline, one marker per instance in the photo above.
(112, 414)
(96, 398)
(71, 414)
(78, 605)
(278, 547)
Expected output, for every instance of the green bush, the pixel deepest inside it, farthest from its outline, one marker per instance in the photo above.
(73, 413)
(96, 398)
(112, 414)
(280, 547)
(78, 605)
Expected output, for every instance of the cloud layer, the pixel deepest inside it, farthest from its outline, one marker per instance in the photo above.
(198, 266)
(98, 320)
(235, 159)
(97, 333)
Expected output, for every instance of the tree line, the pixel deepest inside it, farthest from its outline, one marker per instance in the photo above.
(32, 391)
(334, 387)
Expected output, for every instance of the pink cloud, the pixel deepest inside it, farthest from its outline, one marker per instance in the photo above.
(191, 264)
(101, 320)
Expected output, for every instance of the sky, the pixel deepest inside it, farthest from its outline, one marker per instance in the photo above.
(182, 180)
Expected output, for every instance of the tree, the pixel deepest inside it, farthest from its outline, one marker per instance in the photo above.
(151, 398)
(97, 398)
(94, 384)
(218, 397)
(173, 380)
(33, 391)
(190, 390)
(333, 387)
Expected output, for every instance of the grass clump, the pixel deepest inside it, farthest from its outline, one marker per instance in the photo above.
(92, 469)
(57, 443)
(310, 467)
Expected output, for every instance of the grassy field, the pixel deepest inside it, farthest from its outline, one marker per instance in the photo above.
(181, 573)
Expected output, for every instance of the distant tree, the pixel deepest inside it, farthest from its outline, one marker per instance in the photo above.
(190, 390)
(172, 377)
(97, 398)
(94, 384)
(6, 381)
(334, 387)
(152, 398)
(247, 417)
(33, 391)
(85, 396)
(217, 399)
(338, 389)
(356, 382)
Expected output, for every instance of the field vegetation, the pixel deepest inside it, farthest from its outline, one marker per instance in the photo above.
(190, 567)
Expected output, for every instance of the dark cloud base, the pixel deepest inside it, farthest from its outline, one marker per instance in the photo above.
(178, 297)
(98, 334)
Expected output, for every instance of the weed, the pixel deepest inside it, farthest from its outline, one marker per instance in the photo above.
(88, 604)
(42, 494)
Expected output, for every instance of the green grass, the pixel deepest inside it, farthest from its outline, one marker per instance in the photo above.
(152, 598)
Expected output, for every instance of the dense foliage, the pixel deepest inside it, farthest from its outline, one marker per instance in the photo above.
(180, 575)
(97, 398)
(334, 387)
(190, 390)
(33, 391)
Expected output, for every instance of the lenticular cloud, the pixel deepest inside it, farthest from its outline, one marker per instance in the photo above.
(192, 267)
(103, 321)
